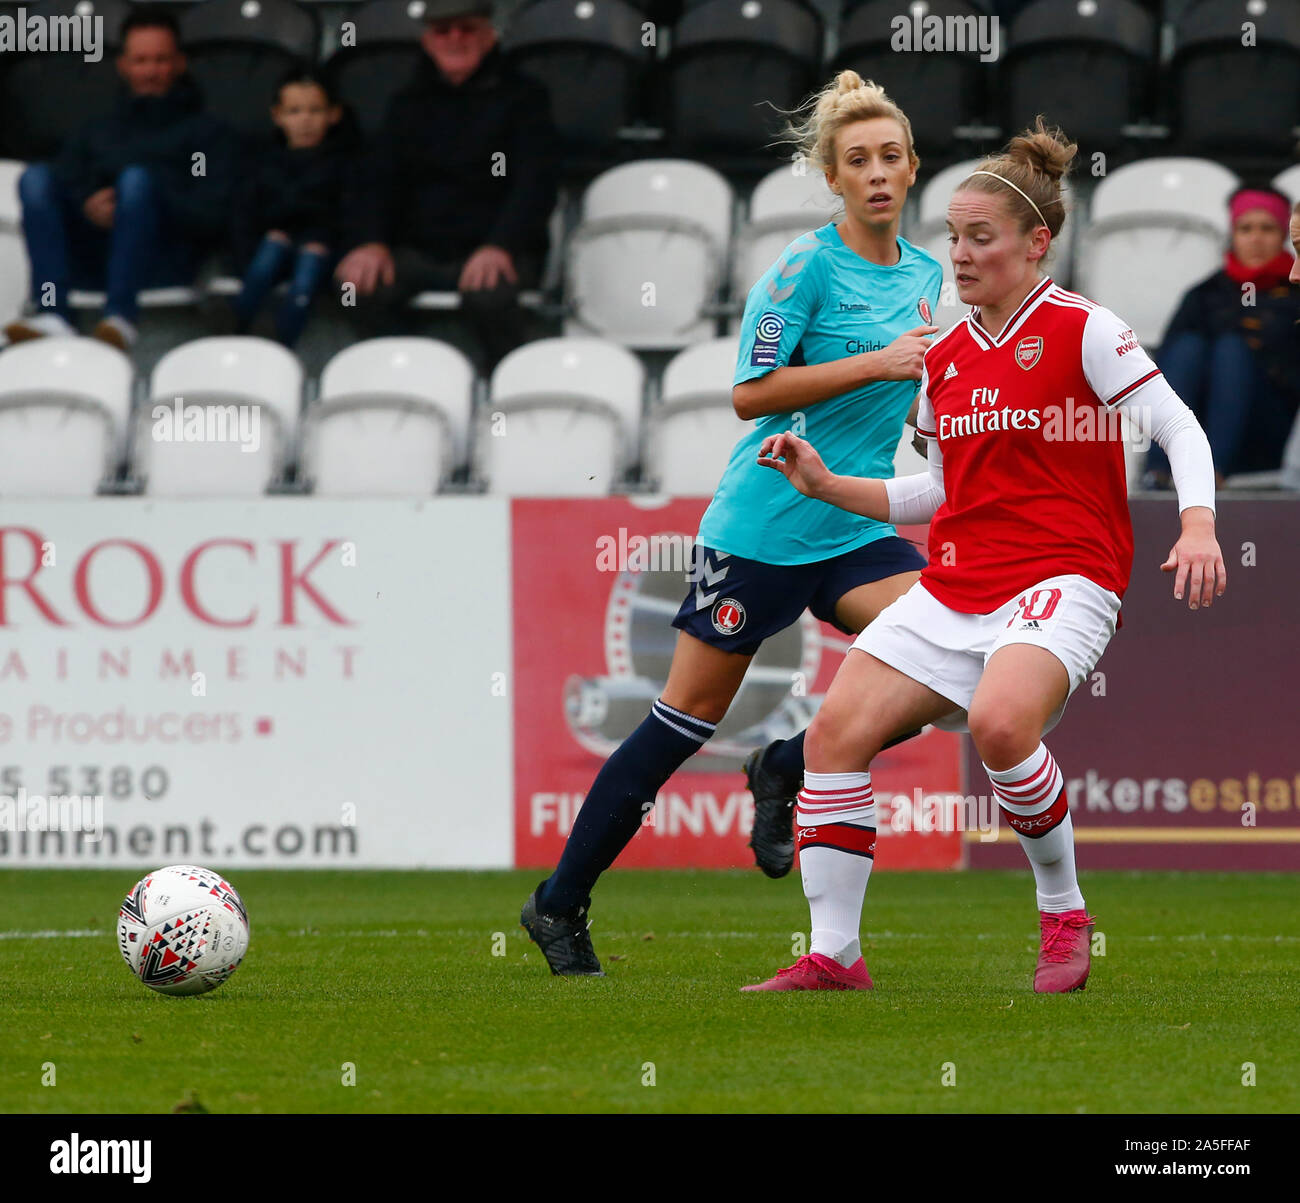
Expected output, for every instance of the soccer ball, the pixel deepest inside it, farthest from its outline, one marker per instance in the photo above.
(183, 930)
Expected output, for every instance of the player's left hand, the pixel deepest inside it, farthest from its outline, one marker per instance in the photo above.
(1197, 562)
(485, 268)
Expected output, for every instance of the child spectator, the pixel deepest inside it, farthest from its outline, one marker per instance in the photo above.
(286, 213)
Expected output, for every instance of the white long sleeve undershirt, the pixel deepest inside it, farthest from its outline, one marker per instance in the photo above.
(1155, 409)
(916, 498)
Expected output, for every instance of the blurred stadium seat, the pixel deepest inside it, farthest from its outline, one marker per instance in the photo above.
(786, 203)
(646, 261)
(45, 97)
(1083, 66)
(239, 49)
(1231, 97)
(382, 56)
(938, 91)
(693, 428)
(1288, 183)
(212, 373)
(1156, 227)
(392, 419)
(563, 419)
(578, 51)
(64, 405)
(13, 252)
(730, 62)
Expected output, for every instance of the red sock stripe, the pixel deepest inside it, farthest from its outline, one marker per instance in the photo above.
(1017, 791)
(861, 841)
(826, 801)
(1035, 826)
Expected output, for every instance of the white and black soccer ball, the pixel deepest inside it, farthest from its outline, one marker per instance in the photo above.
(183, 930)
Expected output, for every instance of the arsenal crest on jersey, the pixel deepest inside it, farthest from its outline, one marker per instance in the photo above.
(1029, 350)
(923, 308)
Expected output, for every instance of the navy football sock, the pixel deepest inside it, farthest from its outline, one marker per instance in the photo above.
(619, 799)
(785, 758)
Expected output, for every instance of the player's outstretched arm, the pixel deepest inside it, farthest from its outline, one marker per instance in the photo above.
(799, 463)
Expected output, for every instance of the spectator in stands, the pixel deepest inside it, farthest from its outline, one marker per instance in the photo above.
(460, 185)
(285, 222)
(133, 197)
(1232, 350)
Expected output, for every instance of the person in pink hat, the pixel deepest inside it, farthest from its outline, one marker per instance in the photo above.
(1232, 349)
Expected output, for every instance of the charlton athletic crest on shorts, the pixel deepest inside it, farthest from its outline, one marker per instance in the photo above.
(728, 616)
(923, 308)
(1029, 351)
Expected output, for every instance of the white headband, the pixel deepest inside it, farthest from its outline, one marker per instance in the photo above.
(1009, 184)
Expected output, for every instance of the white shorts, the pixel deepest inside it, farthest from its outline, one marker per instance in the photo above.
(946, 650)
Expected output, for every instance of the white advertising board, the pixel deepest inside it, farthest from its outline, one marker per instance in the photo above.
(287, 681)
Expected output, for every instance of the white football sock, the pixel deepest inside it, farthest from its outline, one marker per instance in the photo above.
(1029, 791)
(835, 808)
(835, 884)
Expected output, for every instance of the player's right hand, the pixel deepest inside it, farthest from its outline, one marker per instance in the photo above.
(905, 356)
(797, 461)
(367, 267)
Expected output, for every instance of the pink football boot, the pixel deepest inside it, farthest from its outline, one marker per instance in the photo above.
(1064, 954)
(816, 972)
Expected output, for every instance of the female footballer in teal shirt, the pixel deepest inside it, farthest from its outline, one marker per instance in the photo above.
(832, 343)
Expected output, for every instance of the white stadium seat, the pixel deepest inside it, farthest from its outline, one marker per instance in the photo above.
(644, 265)
(563, 419)
(392, 419)
(1155, 228)
(64, 404)
(13, 253)
(218, 374)
(13, 275)
(11, 211)
(907, 460)
(784, 205)
(694, 426)
(1288, 183)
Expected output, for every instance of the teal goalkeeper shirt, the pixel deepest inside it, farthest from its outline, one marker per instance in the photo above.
(820, 301)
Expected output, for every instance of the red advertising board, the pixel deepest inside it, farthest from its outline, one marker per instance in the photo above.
(595, 585)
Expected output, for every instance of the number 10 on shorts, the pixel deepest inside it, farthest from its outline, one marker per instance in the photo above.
(1036, 606)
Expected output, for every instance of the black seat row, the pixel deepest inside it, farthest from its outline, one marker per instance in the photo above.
(717, 81)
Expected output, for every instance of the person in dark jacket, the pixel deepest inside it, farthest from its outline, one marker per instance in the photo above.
(285, 221)
(133, 197)
(460, 185)
(1232, 349)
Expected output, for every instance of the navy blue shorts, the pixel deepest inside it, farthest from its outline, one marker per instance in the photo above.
(734, 603)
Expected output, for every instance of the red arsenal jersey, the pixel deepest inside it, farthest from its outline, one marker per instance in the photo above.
(1033, 449)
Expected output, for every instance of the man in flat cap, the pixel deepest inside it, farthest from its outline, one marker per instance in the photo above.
(458, 189)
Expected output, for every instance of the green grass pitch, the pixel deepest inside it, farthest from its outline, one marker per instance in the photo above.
(427, 987)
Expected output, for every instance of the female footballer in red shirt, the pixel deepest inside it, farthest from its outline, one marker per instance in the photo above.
(1030, 552)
